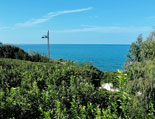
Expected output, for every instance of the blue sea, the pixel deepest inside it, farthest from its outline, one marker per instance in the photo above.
(104, 57)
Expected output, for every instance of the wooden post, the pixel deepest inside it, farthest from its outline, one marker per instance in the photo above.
(48, 44)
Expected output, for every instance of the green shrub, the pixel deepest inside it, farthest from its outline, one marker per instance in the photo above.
(13, 52)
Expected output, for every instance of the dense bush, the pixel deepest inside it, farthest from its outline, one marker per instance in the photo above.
(25, 87)
(13, 52)
(8, 51)
(48, 90)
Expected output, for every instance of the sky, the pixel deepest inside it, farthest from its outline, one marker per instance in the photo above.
(75, 21)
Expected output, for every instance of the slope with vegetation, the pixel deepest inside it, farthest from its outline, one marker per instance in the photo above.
(33, 86)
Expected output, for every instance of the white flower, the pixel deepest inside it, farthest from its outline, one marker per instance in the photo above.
(108, 86)
(139, 93)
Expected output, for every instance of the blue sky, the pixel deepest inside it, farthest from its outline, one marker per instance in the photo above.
(75, 21)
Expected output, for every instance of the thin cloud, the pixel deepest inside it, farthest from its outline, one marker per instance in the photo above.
(50, 16)
(43, 19)
(108, 29)
(6, 28)
(150, 18)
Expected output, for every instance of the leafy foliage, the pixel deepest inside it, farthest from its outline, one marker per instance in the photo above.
(28, 87)
(140, 68)
(13, 52)
(47, 90)
(142, 50)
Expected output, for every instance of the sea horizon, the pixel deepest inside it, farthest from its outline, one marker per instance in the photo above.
(59, 44)
(106, 57)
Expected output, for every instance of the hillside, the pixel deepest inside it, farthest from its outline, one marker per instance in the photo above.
(28, 86)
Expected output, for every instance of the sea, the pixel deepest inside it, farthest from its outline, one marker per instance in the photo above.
(105, 57)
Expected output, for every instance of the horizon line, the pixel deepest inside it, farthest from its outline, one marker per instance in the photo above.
(68, 44)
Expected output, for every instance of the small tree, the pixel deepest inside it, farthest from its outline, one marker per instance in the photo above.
(141, 50)
(135, 50)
